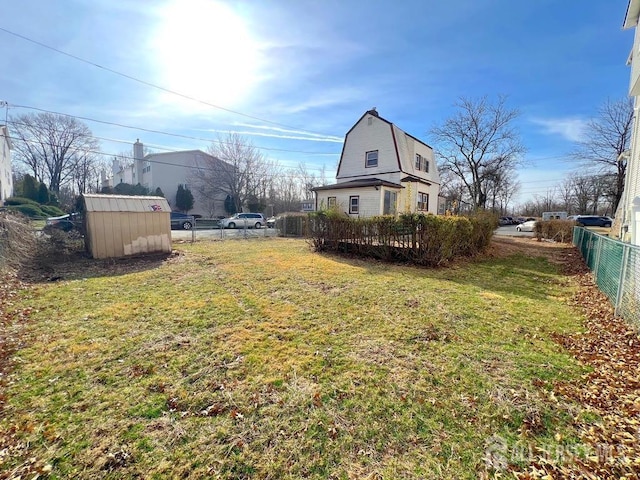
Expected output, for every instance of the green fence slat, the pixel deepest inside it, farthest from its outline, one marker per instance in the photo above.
(616, 272)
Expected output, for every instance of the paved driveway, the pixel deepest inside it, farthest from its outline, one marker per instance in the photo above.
(510, 231)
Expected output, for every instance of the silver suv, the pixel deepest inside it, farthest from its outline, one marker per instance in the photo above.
(244, 220)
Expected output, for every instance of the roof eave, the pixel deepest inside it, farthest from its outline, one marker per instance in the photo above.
(631, 17)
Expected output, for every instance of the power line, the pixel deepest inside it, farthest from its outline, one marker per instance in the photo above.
(127, 142)
(160, 162)
(153, 85)
(160, 132)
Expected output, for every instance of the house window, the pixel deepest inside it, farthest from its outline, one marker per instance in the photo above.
(371, 159)
(418, 161)
(425, 165)
(331, 202)
(389, 202)
(423, 201)
(354, 204)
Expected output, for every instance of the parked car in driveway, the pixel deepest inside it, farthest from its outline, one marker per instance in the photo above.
(181, 221)
(65, 223)
(593, 221)
(527, 226)
(244, 220)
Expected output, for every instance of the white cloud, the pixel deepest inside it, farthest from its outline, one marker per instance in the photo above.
(306, 137)
(570, 128)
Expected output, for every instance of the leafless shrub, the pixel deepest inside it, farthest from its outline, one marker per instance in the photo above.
(17, 241)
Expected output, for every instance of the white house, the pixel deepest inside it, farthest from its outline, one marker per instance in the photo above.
(6, 173)
(630, 202)
(382, 171)
(167, 171)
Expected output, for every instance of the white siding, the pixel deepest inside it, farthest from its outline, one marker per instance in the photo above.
(6, 173)
(370, 200)
(409, 197)
(396, 160)
(409, 148)
(365, 138)
(631, 193)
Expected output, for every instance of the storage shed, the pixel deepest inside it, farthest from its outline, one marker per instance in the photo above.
(120, 225)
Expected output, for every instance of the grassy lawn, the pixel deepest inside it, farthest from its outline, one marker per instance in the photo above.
(261, 359)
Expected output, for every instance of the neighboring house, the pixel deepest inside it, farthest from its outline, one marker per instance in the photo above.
(167, 171)
(382, 171)
(6, 173)
(629, 208)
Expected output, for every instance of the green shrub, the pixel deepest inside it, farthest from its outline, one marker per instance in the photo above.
(20, 201)
(483, 225)
(52, 211)
(28, 210)
(416, 238)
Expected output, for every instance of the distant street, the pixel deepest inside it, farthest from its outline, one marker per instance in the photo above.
(510, 231)
(227, 233)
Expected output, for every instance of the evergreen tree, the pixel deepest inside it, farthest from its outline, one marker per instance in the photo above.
(128, 189)
(30, 187)
(184, 199)
(159, 192)
(230, 205)
(43, 194)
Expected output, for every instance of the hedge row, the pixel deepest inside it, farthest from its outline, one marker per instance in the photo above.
(416, 238)
(31, 208)
(558, 230)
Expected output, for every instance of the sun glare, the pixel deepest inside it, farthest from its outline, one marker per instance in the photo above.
(204, 50)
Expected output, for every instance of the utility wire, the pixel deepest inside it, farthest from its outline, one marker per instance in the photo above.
(153, 85)
(123, 155)
(160, 132)
(208, 167)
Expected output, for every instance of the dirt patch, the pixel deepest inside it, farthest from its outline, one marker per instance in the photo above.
(80, 265)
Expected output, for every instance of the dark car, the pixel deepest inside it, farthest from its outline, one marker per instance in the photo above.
(181, 221)
(66, 223)
(593, 221)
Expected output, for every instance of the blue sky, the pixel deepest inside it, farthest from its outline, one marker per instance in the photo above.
(304, 71)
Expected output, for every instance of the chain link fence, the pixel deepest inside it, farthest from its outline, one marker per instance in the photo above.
(295, 226)
(616, 268)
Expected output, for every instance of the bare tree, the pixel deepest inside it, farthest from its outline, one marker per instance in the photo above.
(238, 170)
(478, 143)
(51, 146)
(607, 136)
(86, 176)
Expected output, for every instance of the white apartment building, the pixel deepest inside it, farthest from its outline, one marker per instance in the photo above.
(167, 171)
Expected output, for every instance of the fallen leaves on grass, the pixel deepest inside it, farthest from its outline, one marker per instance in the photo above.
(12, 322)
(611, 391)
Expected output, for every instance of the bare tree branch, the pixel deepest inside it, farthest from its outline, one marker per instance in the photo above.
(607, 136)
(480, 146)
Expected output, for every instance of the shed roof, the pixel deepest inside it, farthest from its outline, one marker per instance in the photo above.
(124, 203)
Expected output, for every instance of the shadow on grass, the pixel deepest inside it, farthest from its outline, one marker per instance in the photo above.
(527, 269)
(76, 265)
